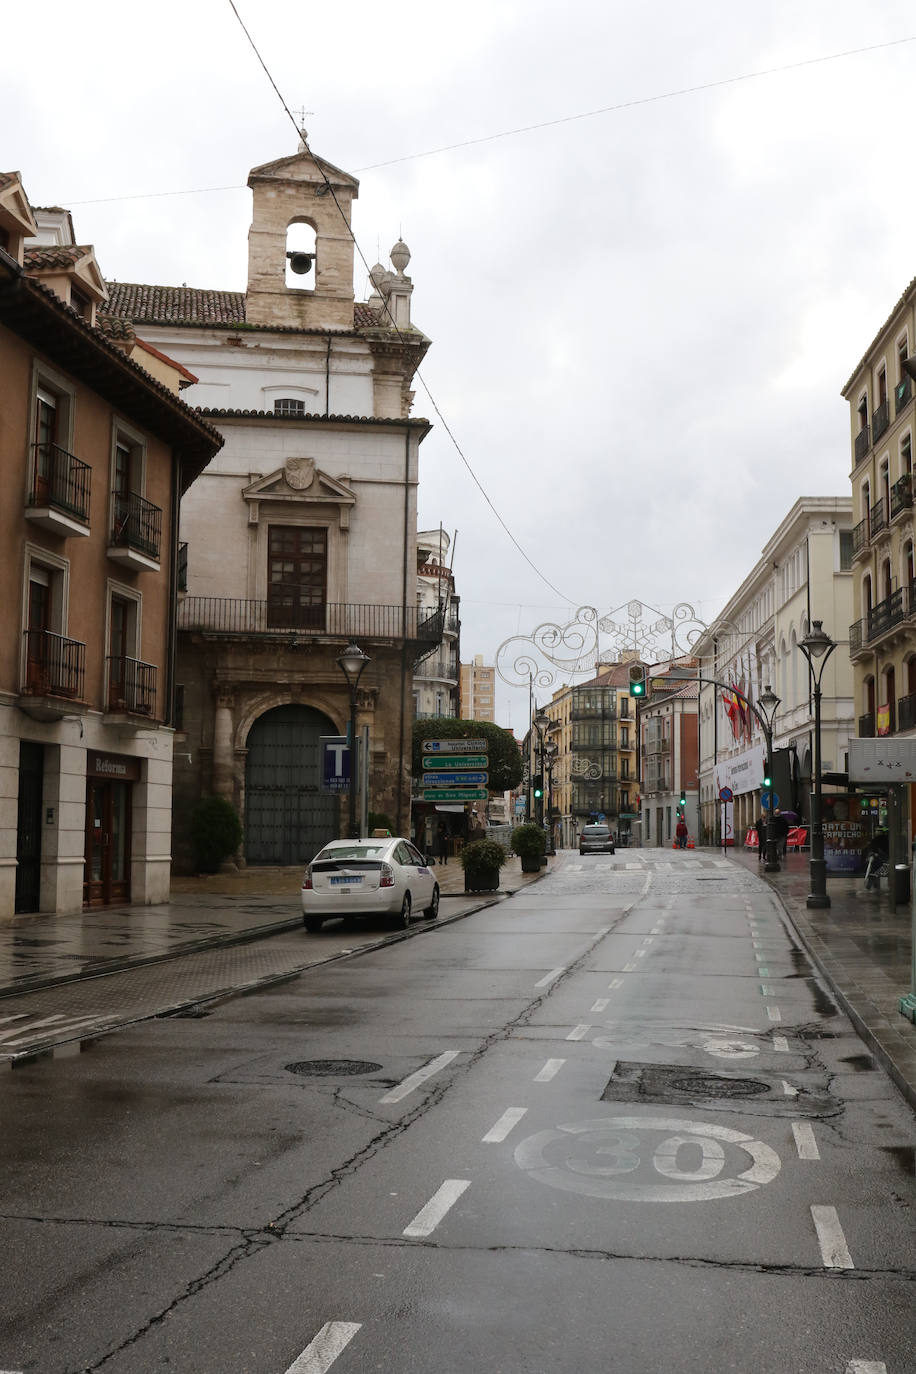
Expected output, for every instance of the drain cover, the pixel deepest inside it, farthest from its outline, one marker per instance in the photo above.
(332, 1068)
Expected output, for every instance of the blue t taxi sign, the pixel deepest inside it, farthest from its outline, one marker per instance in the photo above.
(334, 753)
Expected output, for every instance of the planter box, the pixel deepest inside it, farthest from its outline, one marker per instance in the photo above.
(531, 863)
(482, 880)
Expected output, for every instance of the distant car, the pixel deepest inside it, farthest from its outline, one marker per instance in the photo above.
(596, 839)
(384, 876)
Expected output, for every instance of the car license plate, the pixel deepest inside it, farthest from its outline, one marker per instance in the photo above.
(346, 878)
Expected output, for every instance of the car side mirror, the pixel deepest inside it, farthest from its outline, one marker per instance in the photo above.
(429, 861)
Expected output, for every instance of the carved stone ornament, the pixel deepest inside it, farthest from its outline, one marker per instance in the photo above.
(299, 473)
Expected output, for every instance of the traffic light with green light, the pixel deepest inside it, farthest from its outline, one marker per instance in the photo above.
(637, 680)
(538, 788)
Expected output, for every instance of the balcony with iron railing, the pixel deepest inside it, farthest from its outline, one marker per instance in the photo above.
(444, 669)
(866, 728)
(886, 614)
(131, 686)
(136, 530)
(877, 517)
(902, 495)
(58, 498)
(860, 538)
(880, 420)
(906, 712)
(54, 666)
(861, 444)
(242, 618)
(856, 638)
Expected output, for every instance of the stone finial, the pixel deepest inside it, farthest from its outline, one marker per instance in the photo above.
(400, 256)
(379, 278)
(303, 141)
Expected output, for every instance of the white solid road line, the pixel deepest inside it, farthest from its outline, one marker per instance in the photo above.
(428, 1218)
(830, 1238)
(550, 1070)
(498, 1132)
(804, 1140)
(320, 1354)
(419, 1077)
(549, 977)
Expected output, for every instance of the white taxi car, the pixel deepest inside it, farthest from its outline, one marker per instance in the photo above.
(364, 877)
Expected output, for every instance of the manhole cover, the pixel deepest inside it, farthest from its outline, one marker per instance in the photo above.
(681, 1085)
(713, 1085)
(331, 1068)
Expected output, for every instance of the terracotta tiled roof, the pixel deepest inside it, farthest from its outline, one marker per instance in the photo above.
(114, 328)
(43, 256)
(189, 305)
(224, 414)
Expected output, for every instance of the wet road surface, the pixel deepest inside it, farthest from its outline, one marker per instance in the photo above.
(615, 1123)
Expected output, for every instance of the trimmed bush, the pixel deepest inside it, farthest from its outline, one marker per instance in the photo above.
(216, 833)
(528, 841)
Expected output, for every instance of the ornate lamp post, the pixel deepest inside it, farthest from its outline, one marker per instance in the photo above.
(765, 712)
(550, 755)
(352, 663)
(817, 646)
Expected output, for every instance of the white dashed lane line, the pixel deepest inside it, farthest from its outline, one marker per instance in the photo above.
(549, 977)
(834, 1251)
(397, 1094)
(866, 1367)
(805, 1143)
(774, 1013)
(550, 1070)
(500, 1129)
(441, 1202)
(781, 1044)
(578, 1032)
(615, 983)
(600, 1005)
(320, 1354)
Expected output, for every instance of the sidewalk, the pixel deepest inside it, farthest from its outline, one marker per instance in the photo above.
(862, 946)
(205, 912)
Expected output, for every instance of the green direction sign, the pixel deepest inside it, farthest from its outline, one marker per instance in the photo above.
(460, 794)
(455, 761)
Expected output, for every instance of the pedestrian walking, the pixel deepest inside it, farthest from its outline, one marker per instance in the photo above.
(681, 832)
(761, 837)
(781, 827)
(442, 842)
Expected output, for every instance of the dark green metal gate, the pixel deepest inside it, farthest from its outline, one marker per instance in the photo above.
(287, 819)
(28, 826)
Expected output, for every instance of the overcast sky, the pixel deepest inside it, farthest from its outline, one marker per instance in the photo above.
(641, 319)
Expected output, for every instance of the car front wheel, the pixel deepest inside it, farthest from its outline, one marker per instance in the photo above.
(432, 911)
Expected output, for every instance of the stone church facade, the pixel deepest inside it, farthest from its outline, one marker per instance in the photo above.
(301, 537)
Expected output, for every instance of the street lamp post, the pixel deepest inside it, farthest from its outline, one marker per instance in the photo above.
(352, 663)
(767, 703)
(817, 646)
(550, 754)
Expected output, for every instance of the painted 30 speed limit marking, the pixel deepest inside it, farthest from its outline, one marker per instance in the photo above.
(616, 1157)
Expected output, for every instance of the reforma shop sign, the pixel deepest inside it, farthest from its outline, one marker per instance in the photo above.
(743, 773)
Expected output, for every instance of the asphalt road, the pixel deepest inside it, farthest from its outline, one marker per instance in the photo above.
(612, 1124)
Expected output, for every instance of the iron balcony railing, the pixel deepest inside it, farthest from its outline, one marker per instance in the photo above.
(867, 726)
(182, 567)
(444, 668)
(234, 616)
(862, 444)
(902, 495)
(856, 637)
(886, 614)
(880, 420)
(131, 686)
(54, 666)
(61, 481)
(902, 393)
(906, 712)
(877, 517)
(859, 538)
(135, 524)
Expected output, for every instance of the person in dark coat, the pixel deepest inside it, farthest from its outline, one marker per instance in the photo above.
(442, 842)
(761, 838)
(781, 827)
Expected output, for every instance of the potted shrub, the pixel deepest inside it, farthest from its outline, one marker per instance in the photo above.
(216, 833)
(529, 842)
(481, 861)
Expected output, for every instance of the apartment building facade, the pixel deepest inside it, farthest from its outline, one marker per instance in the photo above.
(94, 457)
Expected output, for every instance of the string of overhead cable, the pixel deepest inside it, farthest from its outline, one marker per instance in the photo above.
(531, 128)
(445, 425)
